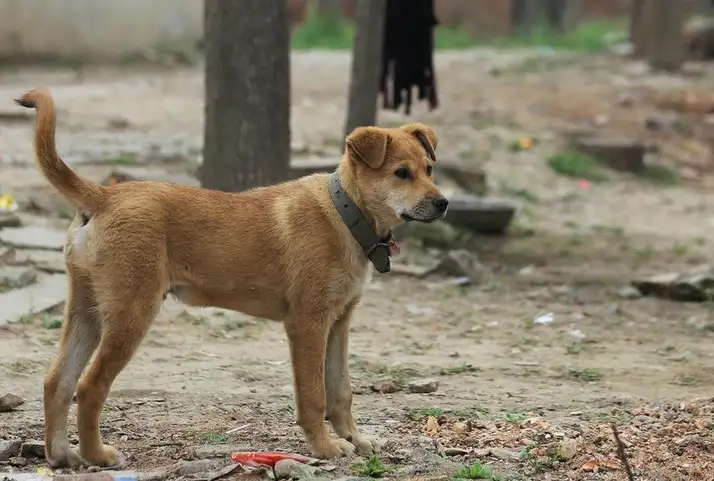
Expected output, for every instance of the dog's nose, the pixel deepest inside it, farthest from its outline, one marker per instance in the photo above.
(441, 203)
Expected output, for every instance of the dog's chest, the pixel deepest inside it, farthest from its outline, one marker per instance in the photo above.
(348, 285)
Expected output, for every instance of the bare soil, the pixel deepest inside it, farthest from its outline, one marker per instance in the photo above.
(512, 393)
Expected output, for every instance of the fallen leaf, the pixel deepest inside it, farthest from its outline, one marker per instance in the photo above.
(432, 425)
(591, 465)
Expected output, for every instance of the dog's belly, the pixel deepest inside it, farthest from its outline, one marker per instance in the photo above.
(254, 301)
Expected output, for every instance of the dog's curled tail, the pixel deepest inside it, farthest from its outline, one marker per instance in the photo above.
(86, 195)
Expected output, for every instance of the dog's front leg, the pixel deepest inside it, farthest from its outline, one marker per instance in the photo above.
(339, 388)
(308, 342)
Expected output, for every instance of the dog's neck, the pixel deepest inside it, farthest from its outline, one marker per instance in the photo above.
(374, 239)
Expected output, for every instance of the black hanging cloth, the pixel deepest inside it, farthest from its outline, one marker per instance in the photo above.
(407, 54)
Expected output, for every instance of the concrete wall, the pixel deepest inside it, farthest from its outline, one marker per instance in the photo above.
(96, 28)
(35, 29)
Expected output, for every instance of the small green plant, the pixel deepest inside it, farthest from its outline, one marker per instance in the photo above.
(574, 164)
(476, 471)
(214, 438)
(587, 375)
(123, 159)
(515, 418)
(372, 467)
(460, 369)
(52, 322)
(416, 414)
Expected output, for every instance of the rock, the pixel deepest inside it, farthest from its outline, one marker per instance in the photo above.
(9, 219)
(386, 386)
(47, 261)
(461, 263)
(120, 123)
(423, 386)
(505, 454)
(695, 285)
(33, 238)
(427, 461)
(623, 154)
(7, 254)
(456, 452)
(39, 297)
(19, 461)
(655, 123)
(625, 100)
(16, 277)
(290, 469)
(33, 449)
(482, 215)
(9, 449)
(10, 401)
(481, 453)
(565, 449)
(629, 292)
(469, 177)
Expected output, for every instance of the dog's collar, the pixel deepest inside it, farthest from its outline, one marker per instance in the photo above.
(377, 249)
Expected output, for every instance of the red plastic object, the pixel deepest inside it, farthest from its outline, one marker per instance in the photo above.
(256, 459)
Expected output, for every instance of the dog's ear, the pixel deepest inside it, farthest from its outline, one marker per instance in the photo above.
(424, 133)
(369, 144)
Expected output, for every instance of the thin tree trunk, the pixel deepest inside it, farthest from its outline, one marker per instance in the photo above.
(370, 18)
(247, 92)
(638, 27)
(665, 45)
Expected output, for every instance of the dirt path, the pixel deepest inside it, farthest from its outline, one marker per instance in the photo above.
(505, 383)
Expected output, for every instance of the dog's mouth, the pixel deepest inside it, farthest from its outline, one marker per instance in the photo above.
(426, 220)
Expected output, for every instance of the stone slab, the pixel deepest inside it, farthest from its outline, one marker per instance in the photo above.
(48, 261)
(33, 237)
(47, 293)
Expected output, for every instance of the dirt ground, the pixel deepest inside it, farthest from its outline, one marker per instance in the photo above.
(513, 394)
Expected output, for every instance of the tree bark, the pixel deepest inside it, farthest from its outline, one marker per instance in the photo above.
(370, 18)
(638, 27)
(665, 45)
(329, 9)
(247, 94)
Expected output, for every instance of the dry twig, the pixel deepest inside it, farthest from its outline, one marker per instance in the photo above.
(621, 453)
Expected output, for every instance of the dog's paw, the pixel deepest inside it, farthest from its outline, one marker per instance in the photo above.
(106, 457)
(64, 458)
(332, 448)
(365, 446)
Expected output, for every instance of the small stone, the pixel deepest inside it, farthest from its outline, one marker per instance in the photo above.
(625, 100)
(18, 461)
(456, 452)
(600, 120)
(461, 263)
(432, 424)
(9, 219)
(290, 469)
(565, 449)
(10, 401)
(423, 386)
(655, 123)
(9, 449)
(629, 292)
(504, 454)
(33, 449)
(386, 386)
(481, 453)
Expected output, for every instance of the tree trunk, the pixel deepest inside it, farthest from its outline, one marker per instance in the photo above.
(638, 27)
(665, 36)
(563, 15)
(370, 18)
(525, 16)
(247, 94)
(329, 9)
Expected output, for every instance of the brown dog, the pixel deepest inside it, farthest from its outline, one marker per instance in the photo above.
(293, 252)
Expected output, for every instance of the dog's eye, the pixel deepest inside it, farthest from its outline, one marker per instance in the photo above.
(402, 173)
(429, 168)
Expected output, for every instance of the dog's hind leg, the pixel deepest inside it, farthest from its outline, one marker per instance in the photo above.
(78, 340)
(129, 304)
(338, 388)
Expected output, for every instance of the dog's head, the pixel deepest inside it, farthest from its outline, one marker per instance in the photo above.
(392, 169)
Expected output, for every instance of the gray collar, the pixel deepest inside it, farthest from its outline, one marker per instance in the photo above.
(375, 248)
